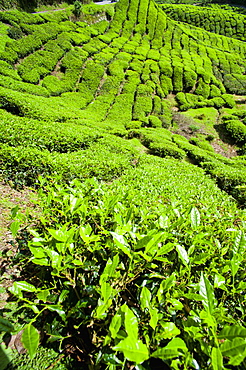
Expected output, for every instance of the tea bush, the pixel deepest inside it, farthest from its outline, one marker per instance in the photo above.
(138, 251)
(237, 130)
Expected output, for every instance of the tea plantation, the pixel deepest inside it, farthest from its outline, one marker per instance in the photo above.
(129, 121)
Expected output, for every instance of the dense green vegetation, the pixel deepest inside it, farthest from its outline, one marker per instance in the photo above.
(123, 118)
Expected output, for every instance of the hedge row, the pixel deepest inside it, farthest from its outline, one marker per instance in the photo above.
(213, 20)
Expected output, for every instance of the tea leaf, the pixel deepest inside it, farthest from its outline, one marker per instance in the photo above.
(175, 348)
(170, 330)
(134, 350)
(165, 286)
(115, 325)
(206, 291)
(30, 339)
(231, 332)
(154, 317)
(131, 323)
(183, 254)
(234, 347)
(14, 227)
(217, 359)
(5, 325)
(145, 298)
(195, 218)
(23, 285)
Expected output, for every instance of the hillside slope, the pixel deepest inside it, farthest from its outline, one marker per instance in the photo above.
(131, 127)
(124, 75)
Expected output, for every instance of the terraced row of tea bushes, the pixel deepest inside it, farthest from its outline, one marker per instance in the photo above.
(159, 142)
(224, 23)
(27, 5)
(187, 100)
(51, 136)
(230, 175)
(106, 158)
(108, 76)
(73, 72)
(65, 33)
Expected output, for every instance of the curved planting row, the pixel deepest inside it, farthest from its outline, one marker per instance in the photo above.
(227, 23)
(118, 75)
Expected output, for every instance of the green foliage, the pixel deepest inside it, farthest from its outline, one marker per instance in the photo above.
(77, 8)
(112, 244)
(144, 258)
(42, 359)
(237, 130)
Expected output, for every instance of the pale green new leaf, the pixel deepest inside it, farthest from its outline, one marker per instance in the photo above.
(133, 350)
(233, 347)
(106, 291)
(236, 360)
(26, 287)
(43, 294)
(110, 268)
(60, 235)
(154, 317)
(131, 322)
(30, 339)
(176, 347)
(102, 307)
(217, 359)
(14, 227)
(195, 218)
(170, 330)
(145, 298)
(231, 332)
(219, 281)
(237, 251)
(115, 325)
(182, 254)
(121, 244)
(166, 248)
(38, 252)
(207, 293)
(152, 246)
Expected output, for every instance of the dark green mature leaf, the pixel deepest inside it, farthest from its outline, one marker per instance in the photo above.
(30, 339)
(5, 325)
(57, 308)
